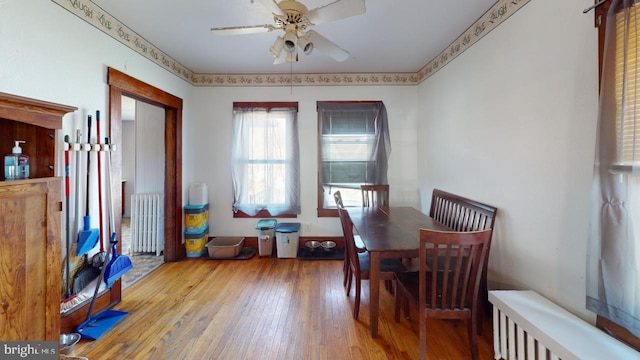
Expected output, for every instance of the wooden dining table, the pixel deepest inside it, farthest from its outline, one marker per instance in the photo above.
(388, 233)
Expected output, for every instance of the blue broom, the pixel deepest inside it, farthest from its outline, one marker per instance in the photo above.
(119, 264)
(87, 238)
(95, 326)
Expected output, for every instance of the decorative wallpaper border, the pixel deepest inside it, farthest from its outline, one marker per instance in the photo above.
(487, 22)
(100, 19)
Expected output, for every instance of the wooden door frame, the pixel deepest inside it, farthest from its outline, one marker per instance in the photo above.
(121, 84)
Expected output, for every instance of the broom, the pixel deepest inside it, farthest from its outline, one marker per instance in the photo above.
(88, 238)
(119, 264)
(95, 326)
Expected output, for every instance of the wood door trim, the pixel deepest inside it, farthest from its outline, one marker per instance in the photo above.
(122, 84)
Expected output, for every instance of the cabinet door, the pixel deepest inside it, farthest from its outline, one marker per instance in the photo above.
(30, 260)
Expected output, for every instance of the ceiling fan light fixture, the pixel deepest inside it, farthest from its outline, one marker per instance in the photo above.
(305, 44)
(292, 57)
(290, 41)
(277, 46)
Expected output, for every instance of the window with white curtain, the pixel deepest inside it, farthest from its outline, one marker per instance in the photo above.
(265, 159)
(613, 252)
(354, 146)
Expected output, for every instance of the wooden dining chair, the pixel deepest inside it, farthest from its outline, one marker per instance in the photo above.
(447, 283)
(375, 195)
(359, 261)
(463, 214)
(346, 270)
(359, 245)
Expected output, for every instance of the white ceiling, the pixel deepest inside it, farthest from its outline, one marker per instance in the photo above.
(391, 36)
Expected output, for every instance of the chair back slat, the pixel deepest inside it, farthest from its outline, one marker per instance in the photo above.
(451, 262)
(375, 195)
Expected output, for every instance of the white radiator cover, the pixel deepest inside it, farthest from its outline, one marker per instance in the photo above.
(527, 326)
(147, 223)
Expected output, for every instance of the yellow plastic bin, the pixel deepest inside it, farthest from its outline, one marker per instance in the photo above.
(196, 218)
(195, 242)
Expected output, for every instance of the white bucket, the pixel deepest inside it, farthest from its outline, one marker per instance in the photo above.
(198, 194)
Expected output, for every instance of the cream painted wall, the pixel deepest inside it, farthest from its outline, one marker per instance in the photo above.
(50, 54)
(512, 122)
(211, 135)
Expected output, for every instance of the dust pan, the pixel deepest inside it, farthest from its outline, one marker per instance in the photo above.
(100, 323)
(95, 326)
(117, 266)
(87, 239)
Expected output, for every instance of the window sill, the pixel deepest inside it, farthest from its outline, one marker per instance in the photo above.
(328, 212)
(261, 214)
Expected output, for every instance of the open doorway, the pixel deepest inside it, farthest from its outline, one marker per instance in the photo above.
(121, 84)
(143, 176)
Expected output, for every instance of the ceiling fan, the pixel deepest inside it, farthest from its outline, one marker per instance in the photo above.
(295, 20)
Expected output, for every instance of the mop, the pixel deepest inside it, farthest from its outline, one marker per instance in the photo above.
(95, 326)
(72, 264)
(88, 237)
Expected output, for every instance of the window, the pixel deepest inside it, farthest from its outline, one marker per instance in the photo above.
(626, 77)
(265, 159)
(353, 149)
(612, 252)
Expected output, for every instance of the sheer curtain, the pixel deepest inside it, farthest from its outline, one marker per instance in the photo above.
(343, 161)
(265, 161)
(613, 257)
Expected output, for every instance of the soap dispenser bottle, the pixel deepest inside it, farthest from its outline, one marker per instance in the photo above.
(16, 164)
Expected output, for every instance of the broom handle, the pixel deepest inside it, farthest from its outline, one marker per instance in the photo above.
(99, 281)
(77, 183)
(112, 221)
(99, 182)
(88, 163)
(67, 293)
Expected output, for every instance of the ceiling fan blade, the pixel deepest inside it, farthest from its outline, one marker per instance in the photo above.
(338, 9)
(327, 47)
(271, 6)
(241, 30)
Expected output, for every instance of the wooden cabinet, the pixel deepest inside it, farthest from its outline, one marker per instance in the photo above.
(30, 212)
(30, 223)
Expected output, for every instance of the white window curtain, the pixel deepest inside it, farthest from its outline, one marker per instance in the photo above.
(613, 254)
(265, 161)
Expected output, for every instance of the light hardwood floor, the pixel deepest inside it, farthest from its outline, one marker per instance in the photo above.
(264, 308)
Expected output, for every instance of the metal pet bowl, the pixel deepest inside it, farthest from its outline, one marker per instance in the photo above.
(312, 244)
(328, 245)
(68, 343)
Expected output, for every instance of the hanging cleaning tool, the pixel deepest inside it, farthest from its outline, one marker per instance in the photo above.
(67, 291)
(99, 258)
(88, 238)
(119, 264)
(81, 275)
(95, 326)
(71, 299)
